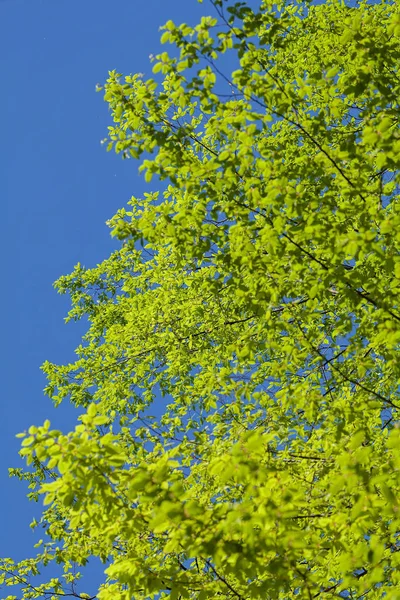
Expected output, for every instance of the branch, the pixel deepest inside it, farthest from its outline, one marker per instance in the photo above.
(228, 585)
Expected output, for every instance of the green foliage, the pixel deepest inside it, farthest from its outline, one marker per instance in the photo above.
(239, 380)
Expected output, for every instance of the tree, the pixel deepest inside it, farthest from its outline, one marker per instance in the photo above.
(239, 380)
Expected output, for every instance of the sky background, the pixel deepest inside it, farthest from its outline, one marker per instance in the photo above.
(58, 187)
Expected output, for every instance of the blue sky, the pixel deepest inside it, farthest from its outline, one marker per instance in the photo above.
(58, 187)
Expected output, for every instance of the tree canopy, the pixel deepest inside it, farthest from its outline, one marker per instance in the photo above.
(239, 378)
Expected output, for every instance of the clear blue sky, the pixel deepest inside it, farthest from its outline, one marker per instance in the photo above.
(58, 187)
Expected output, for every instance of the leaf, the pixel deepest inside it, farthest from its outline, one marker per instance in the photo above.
(238, 379)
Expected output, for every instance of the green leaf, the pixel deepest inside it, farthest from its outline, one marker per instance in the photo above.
(238, 379)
